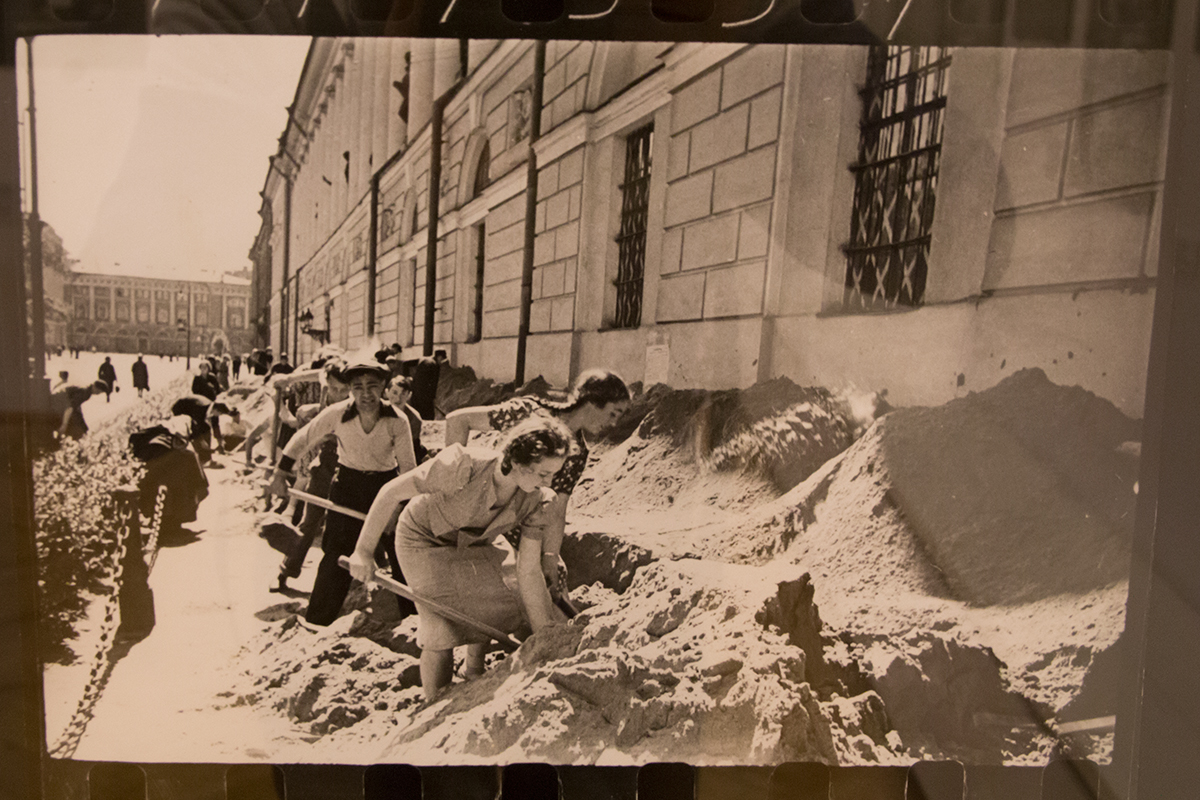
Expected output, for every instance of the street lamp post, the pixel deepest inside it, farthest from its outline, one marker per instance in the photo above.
(185, 327)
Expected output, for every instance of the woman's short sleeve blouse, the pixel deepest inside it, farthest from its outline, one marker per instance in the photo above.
(446, 473)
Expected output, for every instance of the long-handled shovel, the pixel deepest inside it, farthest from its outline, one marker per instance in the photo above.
(321, 502)
(561, 600)
(395, 587)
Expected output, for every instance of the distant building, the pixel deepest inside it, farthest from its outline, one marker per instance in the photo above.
(56, 274)
(123, 314)
(260, 280)
(921, 220)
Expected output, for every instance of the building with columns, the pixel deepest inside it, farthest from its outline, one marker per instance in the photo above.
(156, 316)
(921, 220)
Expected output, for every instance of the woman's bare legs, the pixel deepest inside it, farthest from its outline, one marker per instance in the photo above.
(474, 666)
(437, 670)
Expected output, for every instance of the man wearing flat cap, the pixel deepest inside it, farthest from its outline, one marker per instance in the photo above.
(374, 445)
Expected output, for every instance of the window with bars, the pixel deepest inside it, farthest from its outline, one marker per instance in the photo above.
(631, 239)
(899, 154)
(475, 331)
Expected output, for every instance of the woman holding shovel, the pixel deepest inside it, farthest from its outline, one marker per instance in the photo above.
(597, 400)
(450, 543)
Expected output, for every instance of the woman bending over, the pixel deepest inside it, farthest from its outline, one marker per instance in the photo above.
(597, 400)
(450, 544)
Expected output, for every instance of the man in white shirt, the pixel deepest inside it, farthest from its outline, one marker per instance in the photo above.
(374, 444)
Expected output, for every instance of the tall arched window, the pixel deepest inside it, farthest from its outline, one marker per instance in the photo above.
(475, 321)
(481, 170)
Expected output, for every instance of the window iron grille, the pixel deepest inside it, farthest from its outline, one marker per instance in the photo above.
(631, 240)
(899, 156)
(476, 331)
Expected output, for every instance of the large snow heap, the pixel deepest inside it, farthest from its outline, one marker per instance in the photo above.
(762, 586)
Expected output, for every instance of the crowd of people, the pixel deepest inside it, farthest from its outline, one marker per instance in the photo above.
(475, 529)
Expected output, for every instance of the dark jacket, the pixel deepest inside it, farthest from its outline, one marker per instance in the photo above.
(107, 373)
(425, 383)
(206, 386)
(70, 398)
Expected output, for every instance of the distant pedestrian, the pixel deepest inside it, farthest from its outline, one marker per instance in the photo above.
(141, 376)
(237, 366)
(108, 374)
(282, 367)
(67, 406)
(222, 370)
(204, 384)
(256, 363)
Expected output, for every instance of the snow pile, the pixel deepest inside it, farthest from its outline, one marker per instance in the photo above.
(731, 449)
(459, 387)
(674, 669)
(1018, 493)
(969, 563)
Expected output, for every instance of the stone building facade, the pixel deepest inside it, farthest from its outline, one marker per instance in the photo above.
(142, 315)
(921, 220)
(56, 273)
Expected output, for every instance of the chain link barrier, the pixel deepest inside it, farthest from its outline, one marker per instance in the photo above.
(126, 516)
(151, 551)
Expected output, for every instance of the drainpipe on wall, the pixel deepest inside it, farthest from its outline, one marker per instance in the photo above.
(373, 246)
(435, 193)
(287, 253)
(294, 352)
(372, 254)
(431, 237)
(287, 258)
(283, 286)
(535, 131)
(287, 243)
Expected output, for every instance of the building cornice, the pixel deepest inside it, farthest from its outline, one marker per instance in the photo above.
(639, 102)
(563, 139)
(688, 60)
(100, 278)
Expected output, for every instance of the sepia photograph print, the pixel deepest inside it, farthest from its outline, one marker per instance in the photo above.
(437, 401)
